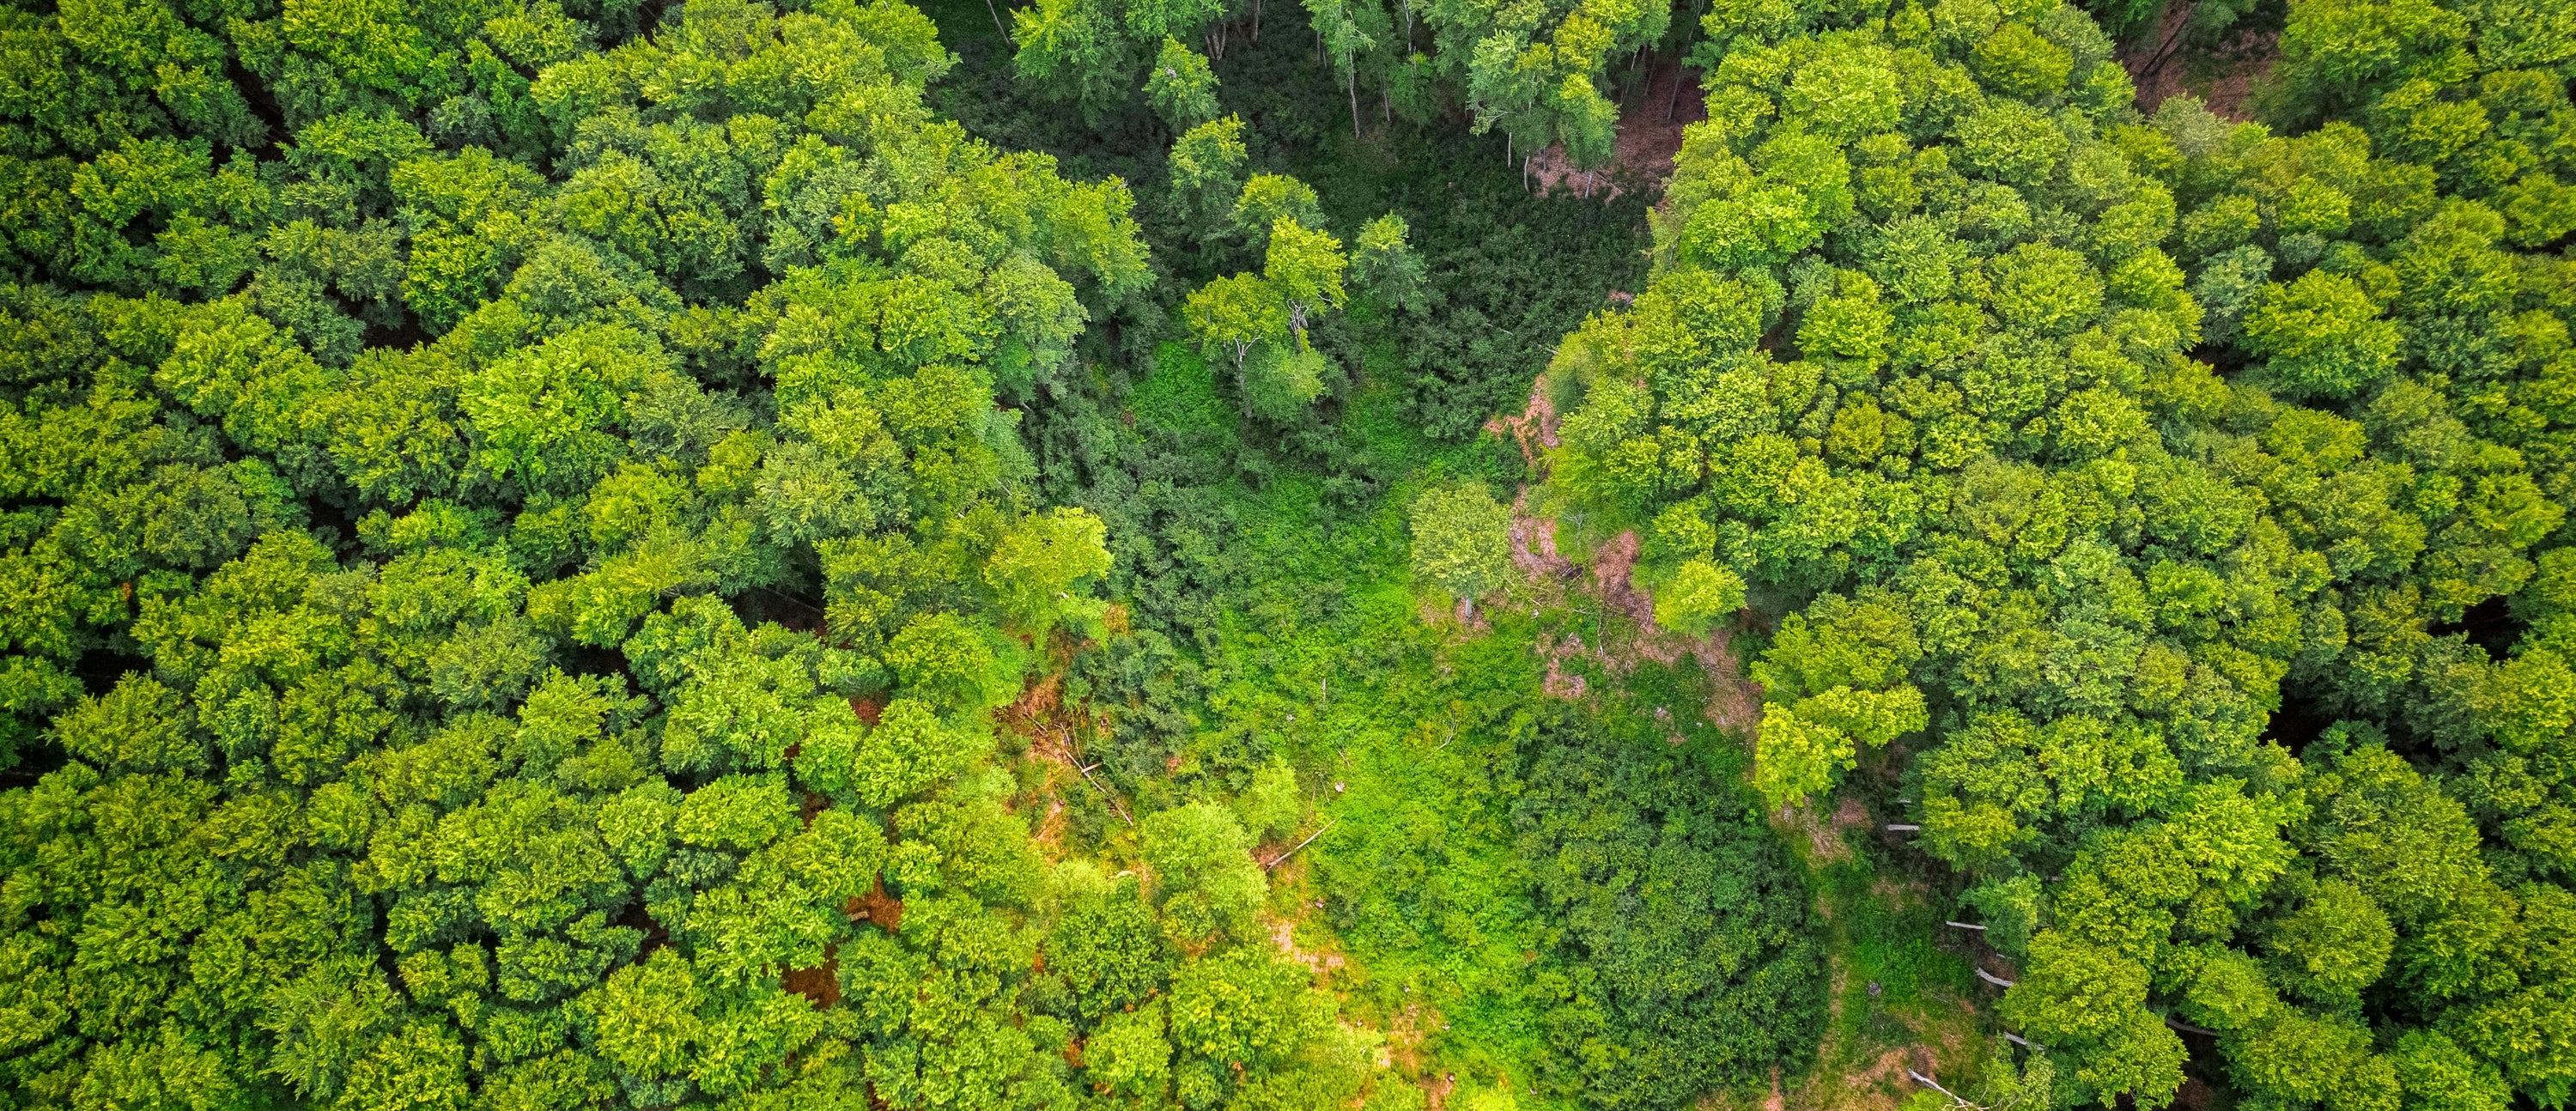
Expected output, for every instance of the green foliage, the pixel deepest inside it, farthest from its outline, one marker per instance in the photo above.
(1129, 1054)
(1110, 950)
(519, 522)
(1035, 569)
(1985, 461)
(1204, 876)
(1266, 200)
(1244, 1008)
(1659, 868)
(1207, 169)
(1232, 316)
(1181, 88)
(446, 519)
(1462, 540)
(1385, 266)
(2322, 336)
(1271, 806)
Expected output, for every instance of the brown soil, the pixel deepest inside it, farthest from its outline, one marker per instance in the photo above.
(1051, 826)
(877, 908)
(1534, 429)
(1406, 1029)
(1035, 705)
(1611, 565)
(1560, 683)
(1734, 702)
(1534, 546)
(1646, 145)
(1323, 964)
(821, 983)
(1439, 1088)
(1822, 832)
(2164, 65)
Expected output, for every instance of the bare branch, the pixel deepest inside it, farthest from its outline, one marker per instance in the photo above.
(1310, 839)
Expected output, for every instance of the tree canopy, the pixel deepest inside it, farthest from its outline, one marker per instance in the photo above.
(749, 555)
(2085, 453)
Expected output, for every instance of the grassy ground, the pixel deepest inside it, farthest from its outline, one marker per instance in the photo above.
(1903, 995)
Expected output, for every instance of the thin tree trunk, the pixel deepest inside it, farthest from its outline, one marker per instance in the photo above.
(2148, 73)
(1256, 22)
(997, 19)
(1681, 54)
(1354, 84)
(1310, 839)
(1104, 792)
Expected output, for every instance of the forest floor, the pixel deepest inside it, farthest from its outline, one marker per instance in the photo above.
(2225, 75)
(1650, 135)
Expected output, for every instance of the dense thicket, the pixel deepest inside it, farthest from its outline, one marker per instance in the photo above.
(2194, 492)
(1688, 956)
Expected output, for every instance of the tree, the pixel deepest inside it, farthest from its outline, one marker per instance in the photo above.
(1110, 950)
(1181, 89)
(1245, 1008)
(1076, 50)
(1129, 1055)
(1385, 266)
(1207, 167)
(944, 658)
(1461, 541)
(1305, 268)
(2322, 335)
(1039, 564)
(1624, 834)
(2334, 946)
(1204, 876)
(1698, 596)
(1349, 29)
(438, 854)
(1232, 316)
(1271, 806)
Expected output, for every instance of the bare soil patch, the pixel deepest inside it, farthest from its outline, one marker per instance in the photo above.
(1650, 135)
(2165, 64)
(1284, 932)
(1534, 429)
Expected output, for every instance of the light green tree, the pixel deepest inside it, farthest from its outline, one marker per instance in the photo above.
(1180, 88)
(1462, 543)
